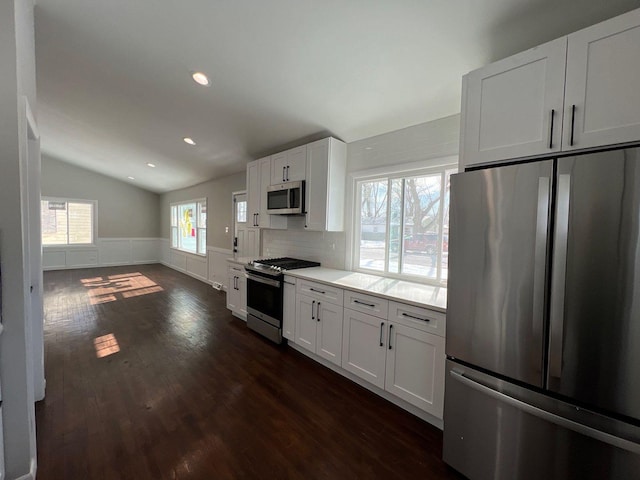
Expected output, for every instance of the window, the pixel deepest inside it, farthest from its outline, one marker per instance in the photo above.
(67, 222)
(402, 224)
(189, 226)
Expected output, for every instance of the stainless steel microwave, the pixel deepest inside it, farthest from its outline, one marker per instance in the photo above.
(286, 198)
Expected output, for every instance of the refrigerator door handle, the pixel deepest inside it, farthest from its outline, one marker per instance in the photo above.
(540, 255)
(547, 416)
(558, 276)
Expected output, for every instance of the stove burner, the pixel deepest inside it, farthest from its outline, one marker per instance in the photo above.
(281, 264)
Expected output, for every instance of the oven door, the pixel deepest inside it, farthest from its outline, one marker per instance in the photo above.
(264, 298)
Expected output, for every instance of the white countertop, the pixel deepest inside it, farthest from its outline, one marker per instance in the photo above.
(240, 260)
(418, 294)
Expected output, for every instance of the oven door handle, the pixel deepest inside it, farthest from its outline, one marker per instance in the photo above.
(266, 281)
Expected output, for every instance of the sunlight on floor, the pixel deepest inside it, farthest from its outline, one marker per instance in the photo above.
(106, 345)
(125, 285)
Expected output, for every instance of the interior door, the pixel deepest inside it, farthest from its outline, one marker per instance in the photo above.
(594, 350)
(498, 241)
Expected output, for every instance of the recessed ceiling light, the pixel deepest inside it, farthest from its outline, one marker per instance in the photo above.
(201, 78)
(131, 178)
(189, 140)
(368, 148)
(151, 165)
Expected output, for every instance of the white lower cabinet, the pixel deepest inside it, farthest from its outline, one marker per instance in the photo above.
(318, 327)
(396, 347)
(237, 291)
(416, 367)
(289, 309)
(364, 346)
(402, 360)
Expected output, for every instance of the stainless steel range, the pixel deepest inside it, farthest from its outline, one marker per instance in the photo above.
(265, 293)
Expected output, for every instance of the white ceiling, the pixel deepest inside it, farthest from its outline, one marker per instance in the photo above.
(115, 92)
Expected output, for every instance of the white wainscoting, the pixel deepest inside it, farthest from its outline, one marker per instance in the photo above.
(218, 267)
(209, 269)
(107, 252)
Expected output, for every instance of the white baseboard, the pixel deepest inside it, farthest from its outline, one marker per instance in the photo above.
(436, 422)
(32, 471)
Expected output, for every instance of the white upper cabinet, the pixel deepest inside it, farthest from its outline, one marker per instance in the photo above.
(325, 185)
(258, 180)
(602, 98)
(289, 166)
(577, 92)
(513, 107)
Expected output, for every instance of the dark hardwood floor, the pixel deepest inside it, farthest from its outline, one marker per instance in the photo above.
(150, 377)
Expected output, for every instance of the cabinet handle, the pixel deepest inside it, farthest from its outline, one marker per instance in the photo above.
(390, 327)
(573, 122)
(318, 291)
(415, 318)
(381, 329)
(287, 173)
(257, 219)
(313, 304)
(318, 311)
(283, 168)
(553, 114)
(372, 305)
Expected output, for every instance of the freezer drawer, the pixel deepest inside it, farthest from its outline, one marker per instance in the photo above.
(498, 242)
(494, 429)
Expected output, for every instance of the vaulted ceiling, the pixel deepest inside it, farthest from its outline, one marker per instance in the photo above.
(115, 89)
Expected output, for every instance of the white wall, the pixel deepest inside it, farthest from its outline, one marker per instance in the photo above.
(17, 57)
(439, 138)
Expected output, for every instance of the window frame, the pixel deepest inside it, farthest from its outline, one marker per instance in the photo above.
(94, 221)
(419, 168)
(198, 228)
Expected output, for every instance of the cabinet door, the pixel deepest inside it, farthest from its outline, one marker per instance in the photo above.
(242, 295)
(306, 328)
(250, 246)
(265, 181)
(278, 168)
(329, 319)
(602, 99)
(233, 295)
(316, 186)
(415, 368)
(289, 310)
(264, 219)
(364, 346)
(510, 105)
(253, 192)
(296, 166)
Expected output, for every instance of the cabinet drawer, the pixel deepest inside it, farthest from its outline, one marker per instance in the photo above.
(416, 317)
(361, 302)
(235, 269)
(320, 291)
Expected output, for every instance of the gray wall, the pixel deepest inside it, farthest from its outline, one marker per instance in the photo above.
(124, 211)
(218, 195)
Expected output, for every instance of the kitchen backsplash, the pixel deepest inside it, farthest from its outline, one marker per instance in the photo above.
(328, 248)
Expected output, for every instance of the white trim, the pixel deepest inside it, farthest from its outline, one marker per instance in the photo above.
(32, 471)
(31, 121)
(220, 250)
(435, 421)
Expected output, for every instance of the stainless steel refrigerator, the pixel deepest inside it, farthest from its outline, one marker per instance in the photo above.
(543, 320)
